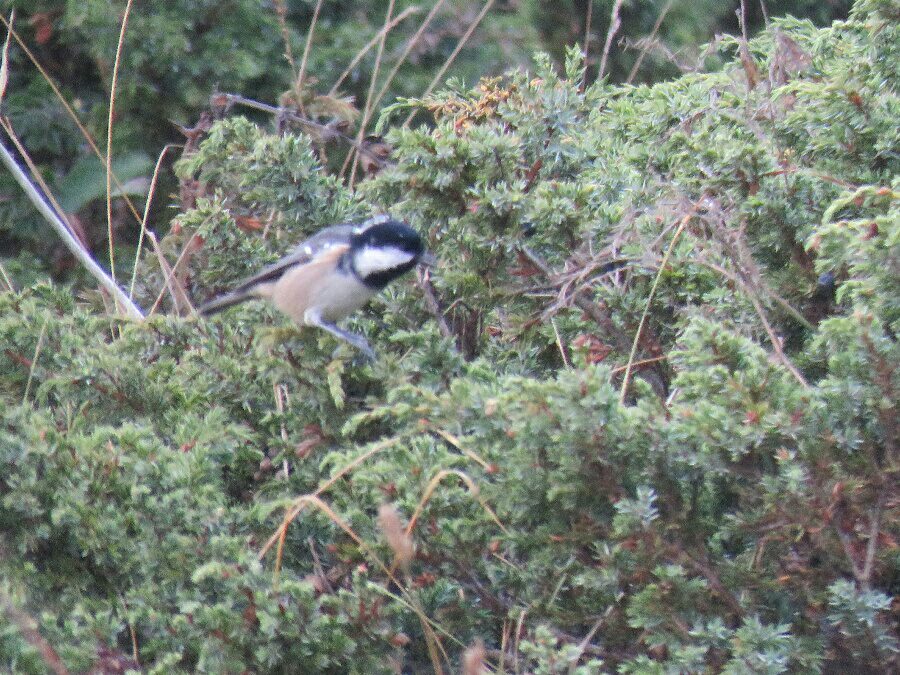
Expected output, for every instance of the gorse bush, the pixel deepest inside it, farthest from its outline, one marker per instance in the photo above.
(641, 418)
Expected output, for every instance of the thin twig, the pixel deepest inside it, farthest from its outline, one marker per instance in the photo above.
(715, 583)
(614, 24)
(587, 37)
(37, 355)
(765, 12)
(6, 279)
(637, 336)
(650, 39)
(406, 51)
(582, 301)
(431, 301)
(887, 414)
(305, 58)
(872, 546)
(367, 111)
(583, 645)
(109, 135)
(71, 112)
(785, 305)
(68, 238)
(452, 57)
(135, 652)
(776, 342)
(326, 130)
(143, 233)
(385, 29)
(520, 624)
(742, 20)
(847, 545)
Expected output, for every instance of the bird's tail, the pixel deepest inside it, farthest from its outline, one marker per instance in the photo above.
(216, 305)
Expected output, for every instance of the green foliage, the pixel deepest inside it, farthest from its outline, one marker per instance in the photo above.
(718, 495)
(856, 614)
(176, 54)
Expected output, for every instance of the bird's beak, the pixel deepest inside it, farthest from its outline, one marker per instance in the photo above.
(428, 259)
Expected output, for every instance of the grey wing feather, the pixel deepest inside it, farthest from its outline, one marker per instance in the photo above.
(303, 253)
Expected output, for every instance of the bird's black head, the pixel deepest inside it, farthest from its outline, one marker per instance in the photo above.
(383, 249)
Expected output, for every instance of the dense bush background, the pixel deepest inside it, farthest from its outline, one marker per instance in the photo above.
(641, 418)
(177, 53)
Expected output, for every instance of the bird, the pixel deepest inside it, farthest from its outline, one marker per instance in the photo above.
(332, 274)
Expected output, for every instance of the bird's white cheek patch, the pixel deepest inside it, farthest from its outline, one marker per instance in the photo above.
(371, 260)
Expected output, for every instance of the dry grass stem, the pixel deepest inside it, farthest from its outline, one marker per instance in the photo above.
(171, 282)
(109, 136)
(588, 20)
(299, 504)
(450, 59)
(4, 62)
(34, 360)
(665, 261)
(397, 538)
(431, 638)
(456, 443)
(413, 41)
(367, 111)
(282, 402)
(6, 279)
(473, 659)
(305, 58)
(281, 11)
(473, 490)
(379, 36)
(70, 112)
(143, 233)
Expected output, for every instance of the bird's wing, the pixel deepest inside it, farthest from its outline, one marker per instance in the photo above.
(260, 283)
(304, 252)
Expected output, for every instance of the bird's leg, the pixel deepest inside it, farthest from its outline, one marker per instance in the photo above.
(357, 341)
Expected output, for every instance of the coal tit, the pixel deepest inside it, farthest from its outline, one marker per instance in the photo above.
(332, 274)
